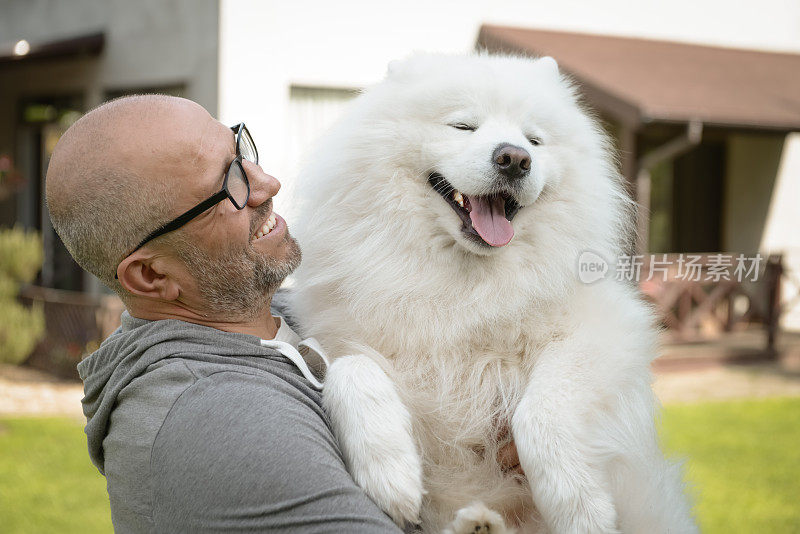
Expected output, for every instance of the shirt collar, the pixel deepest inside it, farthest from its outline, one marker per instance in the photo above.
(306, 354)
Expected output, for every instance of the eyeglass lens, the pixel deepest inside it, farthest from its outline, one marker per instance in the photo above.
(247, 148)
(237, 185)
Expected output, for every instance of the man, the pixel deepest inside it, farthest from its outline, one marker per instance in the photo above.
(201, 412)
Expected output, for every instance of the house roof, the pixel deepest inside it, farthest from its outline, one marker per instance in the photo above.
(639, 80)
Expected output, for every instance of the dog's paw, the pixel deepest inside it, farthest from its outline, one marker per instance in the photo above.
(477, 519)
(394, 482)
(374, 430)
(599, 516)
(581, 513)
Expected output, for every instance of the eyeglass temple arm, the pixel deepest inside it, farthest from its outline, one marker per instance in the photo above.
(183, 218)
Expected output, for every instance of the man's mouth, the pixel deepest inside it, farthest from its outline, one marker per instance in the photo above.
(265, 225)
(486, 218)
(266, 228)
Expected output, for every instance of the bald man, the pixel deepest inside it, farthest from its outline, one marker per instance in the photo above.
(201, 411)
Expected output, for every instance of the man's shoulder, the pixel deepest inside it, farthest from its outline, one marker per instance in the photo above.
(242, 398)
(186, 390)
(186, 406)
(214, 383)
(243, 431)
(205, 381)
(237, 455)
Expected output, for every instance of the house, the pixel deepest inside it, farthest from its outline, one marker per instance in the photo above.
(702, 133)
(59, 59)
(702, 103)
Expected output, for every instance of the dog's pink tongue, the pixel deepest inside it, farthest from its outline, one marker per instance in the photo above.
(489, 219)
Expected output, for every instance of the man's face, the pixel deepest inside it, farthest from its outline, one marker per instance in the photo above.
(231, 271)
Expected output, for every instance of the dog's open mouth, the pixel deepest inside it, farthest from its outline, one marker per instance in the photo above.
(486, 218)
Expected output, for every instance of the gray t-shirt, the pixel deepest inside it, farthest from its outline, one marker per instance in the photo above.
(199, 430)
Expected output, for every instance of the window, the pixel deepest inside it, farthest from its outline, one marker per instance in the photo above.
(312, 110)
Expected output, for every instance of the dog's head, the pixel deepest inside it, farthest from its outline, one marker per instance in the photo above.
(485, 130)
(482, 156)
(485, 137)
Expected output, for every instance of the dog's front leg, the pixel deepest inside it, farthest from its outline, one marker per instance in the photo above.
(550, 427)
(374, 431)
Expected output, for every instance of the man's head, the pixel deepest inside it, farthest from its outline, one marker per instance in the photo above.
(136, 163)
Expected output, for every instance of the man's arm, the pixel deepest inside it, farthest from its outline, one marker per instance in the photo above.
(247, 452)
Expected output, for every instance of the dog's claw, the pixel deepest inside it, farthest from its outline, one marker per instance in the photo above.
(395, 485)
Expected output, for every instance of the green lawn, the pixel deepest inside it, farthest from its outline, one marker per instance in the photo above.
(743, 459)
(47, 483)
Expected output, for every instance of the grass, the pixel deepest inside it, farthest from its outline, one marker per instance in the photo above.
(47, 483)
(743, 459)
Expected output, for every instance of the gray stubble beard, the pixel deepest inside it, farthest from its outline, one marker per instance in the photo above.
(238, 285)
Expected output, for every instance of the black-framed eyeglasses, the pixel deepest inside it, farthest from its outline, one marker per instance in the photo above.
(235, 187)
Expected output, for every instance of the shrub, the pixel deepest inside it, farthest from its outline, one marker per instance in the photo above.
(20, 327)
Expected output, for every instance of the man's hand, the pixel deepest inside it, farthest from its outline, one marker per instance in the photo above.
(507, 456)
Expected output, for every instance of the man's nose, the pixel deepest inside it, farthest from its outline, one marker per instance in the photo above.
(262, 185)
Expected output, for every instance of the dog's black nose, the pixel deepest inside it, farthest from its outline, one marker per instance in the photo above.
(511, 161)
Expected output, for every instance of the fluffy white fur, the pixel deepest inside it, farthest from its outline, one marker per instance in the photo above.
(451, 338)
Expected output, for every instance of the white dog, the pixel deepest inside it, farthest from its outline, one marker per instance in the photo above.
(444, 218)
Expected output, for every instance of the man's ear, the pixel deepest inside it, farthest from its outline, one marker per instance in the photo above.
(145, 275)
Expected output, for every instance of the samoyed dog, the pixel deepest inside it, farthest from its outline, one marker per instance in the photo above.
(444, 217)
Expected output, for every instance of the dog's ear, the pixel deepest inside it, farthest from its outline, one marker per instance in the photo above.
(413, 65)
(549, 63)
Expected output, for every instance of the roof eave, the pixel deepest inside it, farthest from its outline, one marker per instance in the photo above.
(621, 107)
(744, 126)
(90, 44)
